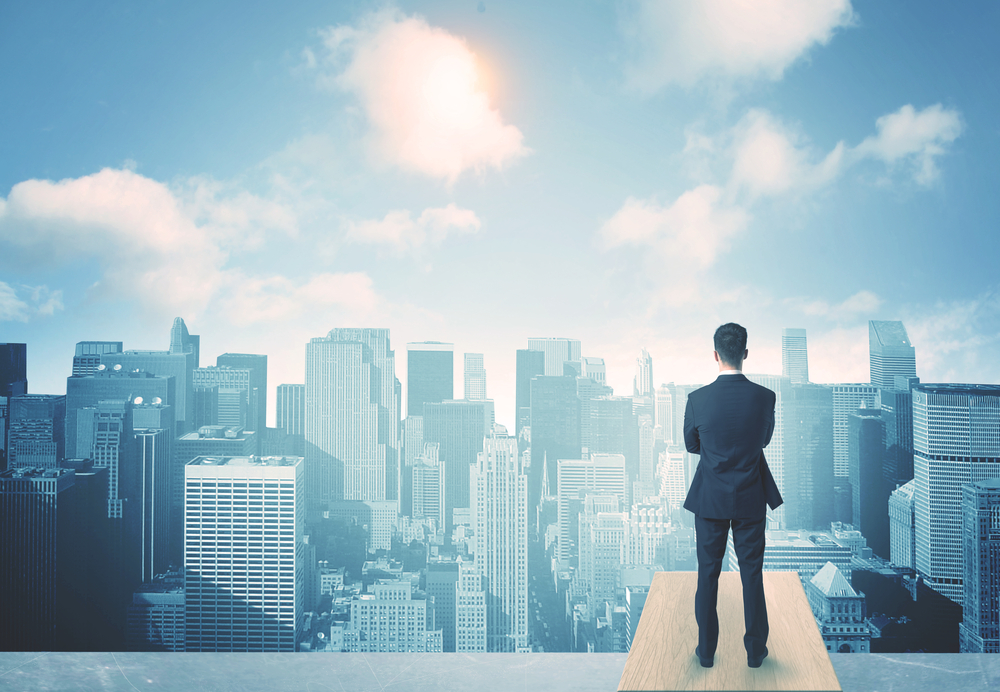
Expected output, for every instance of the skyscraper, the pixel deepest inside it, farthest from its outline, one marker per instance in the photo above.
(222, 397)
(244, 571)
(291, 414)
(890, 353)
(979, 631)
(470, 610)
(154, 455)
(106, 384)
(475, 377)
(846, 400)
(352, 416)
(896, 406)
(794, 355)
(557, 352)
(88, 355)
(642, 384)
(601, 474)
(902, 538)
(178, 362)
(13, 369)
(954, 442)
(594, 369)
(614, 429)
(430, 375)
(869, 494)
(257, 391)
(809, 447)
(442, 586)
(775, 450)
(458, 428)
(49, 522)
(529, 364)
(555, 429)
(499, 488)
(36, 434)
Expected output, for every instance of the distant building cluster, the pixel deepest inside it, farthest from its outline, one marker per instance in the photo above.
(150, 508)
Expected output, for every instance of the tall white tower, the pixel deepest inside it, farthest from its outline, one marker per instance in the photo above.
(499, 498)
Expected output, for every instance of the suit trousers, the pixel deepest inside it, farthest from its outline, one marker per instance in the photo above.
(748, 540)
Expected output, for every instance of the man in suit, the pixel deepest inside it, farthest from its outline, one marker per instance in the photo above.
(729, 422)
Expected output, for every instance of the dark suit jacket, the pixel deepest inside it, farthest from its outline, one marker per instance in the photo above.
(729, 422)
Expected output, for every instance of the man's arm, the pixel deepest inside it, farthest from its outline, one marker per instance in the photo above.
(691, 439)
(770, 425)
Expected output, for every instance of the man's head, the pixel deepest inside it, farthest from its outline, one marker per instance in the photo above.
(731, 345)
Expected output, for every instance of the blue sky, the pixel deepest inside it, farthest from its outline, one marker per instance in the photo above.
(630, 174)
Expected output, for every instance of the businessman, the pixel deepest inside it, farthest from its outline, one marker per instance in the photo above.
(728, 423)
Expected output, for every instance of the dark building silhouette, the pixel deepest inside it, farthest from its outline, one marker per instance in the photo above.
(36, 430)
(529, 364)
(808, 451)
(869, 496)
(430, 375)
(442, 584)
(555, 430)
(51, 522)
(257, 394)
(458, 427)
(13, 369)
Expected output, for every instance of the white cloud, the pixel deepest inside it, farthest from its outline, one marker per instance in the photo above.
(769, 158)
(916, 137)
(402, 231)
(957, 340)
(34, 300)
(858, 305)
(694, 229)
(168, 249)
(684, 42)
(422, 90)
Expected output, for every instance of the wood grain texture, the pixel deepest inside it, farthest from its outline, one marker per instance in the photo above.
(663, 658)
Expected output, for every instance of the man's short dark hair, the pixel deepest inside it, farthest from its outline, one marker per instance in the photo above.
(731, 343)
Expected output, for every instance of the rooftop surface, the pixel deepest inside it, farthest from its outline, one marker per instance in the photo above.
(556, 672)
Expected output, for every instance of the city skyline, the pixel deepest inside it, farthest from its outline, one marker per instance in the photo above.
(627, 198)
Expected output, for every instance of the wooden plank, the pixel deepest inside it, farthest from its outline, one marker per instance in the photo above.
(663, 658)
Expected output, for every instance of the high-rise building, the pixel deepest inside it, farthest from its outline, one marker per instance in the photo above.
(775, 450)
(664, 413)
(88, 355)
(499, 488)
(902, 537)
(673, 477)
(257, 390)
(588, 391)
(594, 369)
(352, 416)
(869, 499)
(108, 384)
(602, 530)
(896, 405)
(178, 362)
(392, 618)
(429, 486)
(890, 353)
(209, 441)
(50, 523)
(156, 615)
(13, 369)
(979, 631)
(614, 429)
(458, 428)
(412, 439)
(847, 398)
(955, 441)
(805, 552)
(475, 377)
(808, 477)
(222, 397)
(291, 403)
(36, 431)
(244, 568)
(529, 364)
(430, 374)
(601, 474)
(470, 609)
(794, 355)
(155, 456)
(442, 586)
(642, 384)
(557, 353)
(555, 429)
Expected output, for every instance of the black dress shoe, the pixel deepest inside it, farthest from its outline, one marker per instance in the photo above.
(705, 662)
(755, 663)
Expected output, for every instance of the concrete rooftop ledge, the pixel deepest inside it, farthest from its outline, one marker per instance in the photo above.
(555, 672)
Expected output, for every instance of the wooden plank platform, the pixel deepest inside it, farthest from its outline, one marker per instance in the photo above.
(663, 658)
